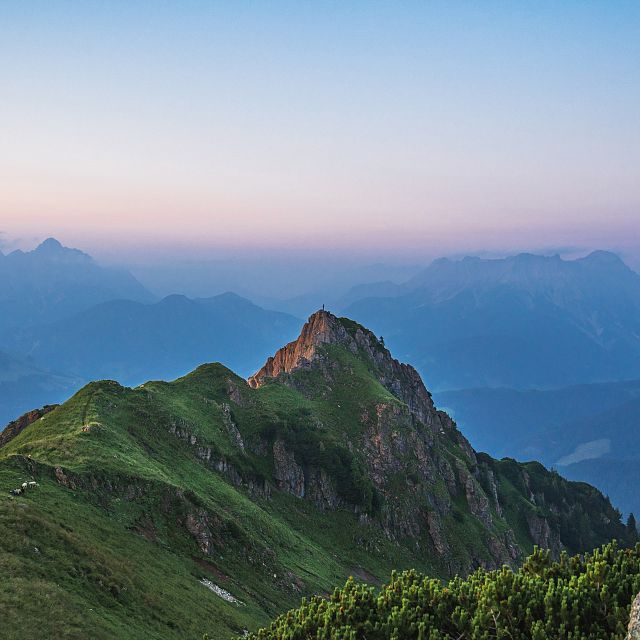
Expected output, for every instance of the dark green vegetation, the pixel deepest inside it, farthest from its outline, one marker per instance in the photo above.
(576, 598)
(339, 466)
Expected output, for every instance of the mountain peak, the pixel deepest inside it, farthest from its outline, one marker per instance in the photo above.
(52, 249)
(323, 329)
(50, 245)
(604, 258)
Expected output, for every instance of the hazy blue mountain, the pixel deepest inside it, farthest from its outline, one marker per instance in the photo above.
(535, 424)
(132, 341)
(522, 322)
(587, 432)
(286, 283)
(64, 320)
(25, 385)
(54, 282)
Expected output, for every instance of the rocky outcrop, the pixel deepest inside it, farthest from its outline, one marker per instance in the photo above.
(476, 497)
(320, 489)
(633, 632)
(312, 483)
(323, 328)
(542, 535)
(407, 449)
(490, 480)
(204, 527)
(232, 428)
(288, 474)
(15, 427)
(258, 487)
(198, 525)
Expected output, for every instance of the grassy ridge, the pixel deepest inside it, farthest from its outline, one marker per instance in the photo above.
(113, 557)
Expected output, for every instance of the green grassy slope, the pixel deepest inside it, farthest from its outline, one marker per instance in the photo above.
(145, 492)
(114, 558)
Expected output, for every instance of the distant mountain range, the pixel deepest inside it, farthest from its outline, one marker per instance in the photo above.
(25, 385)
(525, 321)
(65, 320)
(54, 282)
(132, 341)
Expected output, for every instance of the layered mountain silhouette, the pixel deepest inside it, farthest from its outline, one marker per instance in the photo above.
(54, 282)
(207, 504)
(522, 322)
(132, 341)
(531, 322)
(65, 320)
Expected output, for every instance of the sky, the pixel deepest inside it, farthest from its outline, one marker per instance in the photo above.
(386, 130)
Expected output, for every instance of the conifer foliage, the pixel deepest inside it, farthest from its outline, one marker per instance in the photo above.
(575, 598)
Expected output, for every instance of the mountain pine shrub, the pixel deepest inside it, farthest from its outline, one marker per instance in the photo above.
(574, 598)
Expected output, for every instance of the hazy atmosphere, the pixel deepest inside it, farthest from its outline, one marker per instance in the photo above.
(393, 131)
(319, 320)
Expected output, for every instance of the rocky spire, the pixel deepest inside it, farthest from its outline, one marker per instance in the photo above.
(324, 328)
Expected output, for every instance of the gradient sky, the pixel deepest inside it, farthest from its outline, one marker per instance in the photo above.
(386, 128)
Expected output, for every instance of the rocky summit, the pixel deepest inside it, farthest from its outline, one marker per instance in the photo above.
(425, 475)
(211, 503)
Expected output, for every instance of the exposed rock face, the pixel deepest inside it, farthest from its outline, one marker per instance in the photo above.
(476, 498)
(312, 483)
(198, 525)
(321, 328)
(232, 427)
(402, 446)
(289, 475)
(15, 427)
(428, 479)
(324, 328)
(542, 534)
(180, 429)
(633, 632)
(320, 489)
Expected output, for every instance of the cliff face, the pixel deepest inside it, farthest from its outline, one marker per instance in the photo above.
(323, 328)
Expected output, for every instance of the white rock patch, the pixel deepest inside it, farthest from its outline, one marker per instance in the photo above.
(219, 591)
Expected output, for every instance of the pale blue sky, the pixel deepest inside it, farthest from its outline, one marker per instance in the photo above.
(380, 127)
